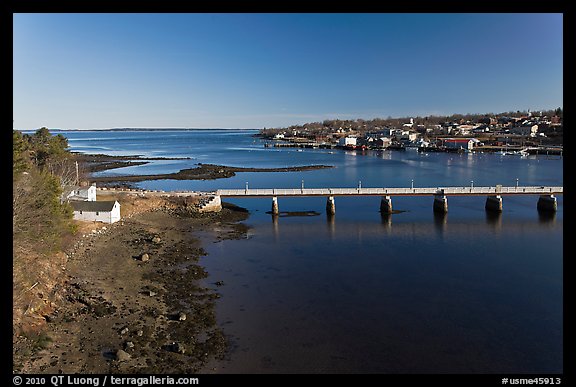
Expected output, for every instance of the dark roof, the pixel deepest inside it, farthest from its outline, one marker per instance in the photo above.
(93, 206)
(71, 188)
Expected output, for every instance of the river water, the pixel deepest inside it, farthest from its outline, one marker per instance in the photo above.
(414, 292)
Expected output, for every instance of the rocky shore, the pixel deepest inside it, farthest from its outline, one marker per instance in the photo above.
(135, 298)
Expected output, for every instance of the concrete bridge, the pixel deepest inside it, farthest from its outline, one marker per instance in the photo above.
(546, 200)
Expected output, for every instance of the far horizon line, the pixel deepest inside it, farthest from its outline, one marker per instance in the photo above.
(284, 127)
(134, 128)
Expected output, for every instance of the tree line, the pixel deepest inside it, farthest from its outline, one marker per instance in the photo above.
(41, 222)
(42, 164)
(366, 125)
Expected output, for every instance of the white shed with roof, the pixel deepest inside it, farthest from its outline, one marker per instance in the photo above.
(80, 193)
(96, 211)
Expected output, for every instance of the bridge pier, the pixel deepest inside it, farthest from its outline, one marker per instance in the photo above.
(330, 206)
(547, 203)
(440, 203)
(386, 205)
(494, 203)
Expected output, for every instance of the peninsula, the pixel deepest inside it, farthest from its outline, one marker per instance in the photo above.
(100, 162)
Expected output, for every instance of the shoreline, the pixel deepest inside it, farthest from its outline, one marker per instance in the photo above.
(113, 311)
(100, 162)
(120, 313)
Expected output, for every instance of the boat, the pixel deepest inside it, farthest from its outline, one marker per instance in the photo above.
(514, 153)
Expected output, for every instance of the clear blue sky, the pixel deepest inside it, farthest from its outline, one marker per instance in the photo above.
(270, 70)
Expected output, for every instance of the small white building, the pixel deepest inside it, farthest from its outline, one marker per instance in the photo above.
(382, 142)
(346, 141)
(96, 211)
(525, 130)
(80, 193)
(400, 133)
(459, 143)
(409, 135)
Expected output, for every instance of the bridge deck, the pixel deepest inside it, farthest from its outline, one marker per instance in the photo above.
(448, 191)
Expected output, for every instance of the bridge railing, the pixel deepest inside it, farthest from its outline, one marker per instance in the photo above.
(391, 191)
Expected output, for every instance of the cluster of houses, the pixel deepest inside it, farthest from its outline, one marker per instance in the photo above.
(530, 129)
(82, 198)
(380, 142)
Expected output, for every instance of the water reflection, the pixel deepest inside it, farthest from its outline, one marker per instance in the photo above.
(494, 219)
(547, 217)
(363, 283)
(440, 221)
(386, 221)
(331, 222)
(334, 229)
(275, 226)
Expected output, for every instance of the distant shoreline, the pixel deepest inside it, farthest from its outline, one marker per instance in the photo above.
(133, 129)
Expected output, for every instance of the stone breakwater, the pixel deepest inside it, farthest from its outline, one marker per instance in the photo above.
(191, 200)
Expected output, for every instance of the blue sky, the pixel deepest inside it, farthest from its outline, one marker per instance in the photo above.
(83, 71)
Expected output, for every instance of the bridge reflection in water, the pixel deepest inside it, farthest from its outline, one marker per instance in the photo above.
(439, 224)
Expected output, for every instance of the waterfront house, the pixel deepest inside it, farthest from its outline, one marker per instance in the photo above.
(80, 193)
(464, 143)
(347, 141)
(96, 211)
(382, 142)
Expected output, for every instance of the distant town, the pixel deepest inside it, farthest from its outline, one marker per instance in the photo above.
(509, 133)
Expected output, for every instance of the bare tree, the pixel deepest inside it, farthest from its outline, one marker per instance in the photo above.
(65, 170)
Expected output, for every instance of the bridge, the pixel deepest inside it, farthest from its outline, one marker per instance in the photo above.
(546, 201)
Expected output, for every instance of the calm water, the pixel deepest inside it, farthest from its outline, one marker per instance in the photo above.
(413, 292)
